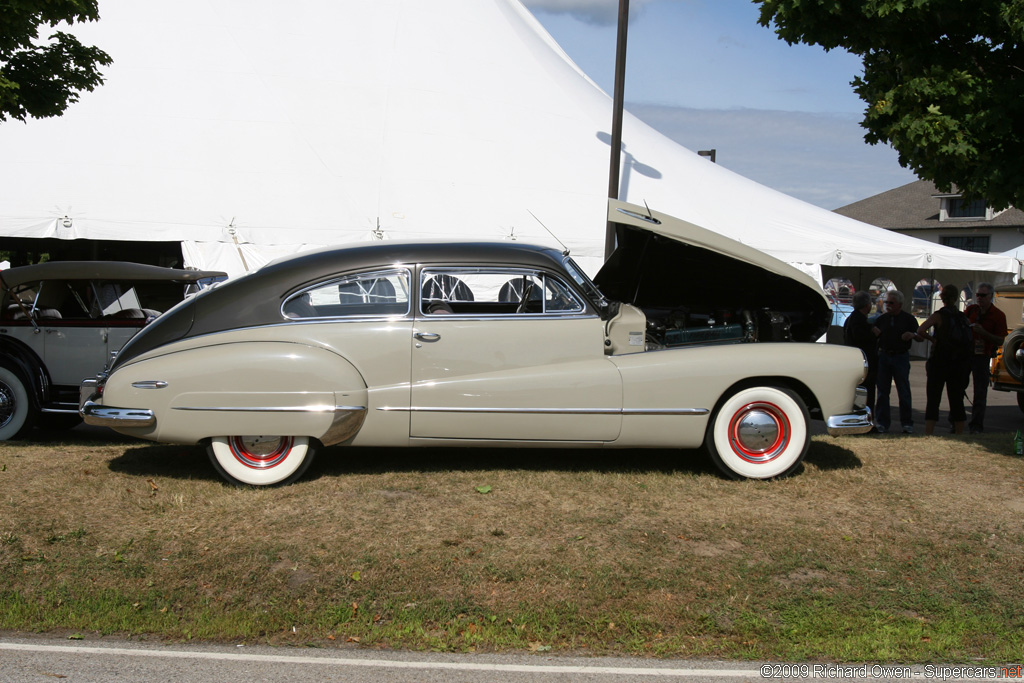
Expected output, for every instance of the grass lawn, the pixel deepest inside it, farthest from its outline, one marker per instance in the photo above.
(905, 549)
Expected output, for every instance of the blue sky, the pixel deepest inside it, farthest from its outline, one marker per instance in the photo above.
(706, 74)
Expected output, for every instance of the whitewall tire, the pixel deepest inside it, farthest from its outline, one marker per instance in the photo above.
(261, 460)
(17, 415)
(759, 433)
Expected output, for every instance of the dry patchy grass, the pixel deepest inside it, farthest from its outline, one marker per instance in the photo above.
(896, 548)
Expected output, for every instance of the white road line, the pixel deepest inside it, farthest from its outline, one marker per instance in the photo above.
(382, 663)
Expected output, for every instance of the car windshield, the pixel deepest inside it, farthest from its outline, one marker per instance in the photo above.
(591, 290)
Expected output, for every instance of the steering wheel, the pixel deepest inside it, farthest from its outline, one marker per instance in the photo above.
(521, 308)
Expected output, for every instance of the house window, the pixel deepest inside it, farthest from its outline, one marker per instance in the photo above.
(955, 208)
(962, 208)
(976, 243)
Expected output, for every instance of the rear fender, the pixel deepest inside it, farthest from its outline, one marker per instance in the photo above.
(280, 388)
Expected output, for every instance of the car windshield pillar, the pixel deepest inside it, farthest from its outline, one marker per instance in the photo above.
(591, 290)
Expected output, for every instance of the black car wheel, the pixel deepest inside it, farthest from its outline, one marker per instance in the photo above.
(1011, 346)
(16, 412)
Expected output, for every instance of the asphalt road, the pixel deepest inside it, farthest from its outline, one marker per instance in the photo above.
(25, 659)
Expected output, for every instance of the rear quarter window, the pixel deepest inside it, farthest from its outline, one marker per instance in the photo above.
(374, 294)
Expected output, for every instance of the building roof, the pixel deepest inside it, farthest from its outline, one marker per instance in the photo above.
(914, 207)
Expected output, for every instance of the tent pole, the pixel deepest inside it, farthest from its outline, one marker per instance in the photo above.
(616, 154)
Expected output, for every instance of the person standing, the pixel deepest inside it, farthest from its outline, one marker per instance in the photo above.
(989, 326)
(857, 332)
(946, 365)
(895, 329)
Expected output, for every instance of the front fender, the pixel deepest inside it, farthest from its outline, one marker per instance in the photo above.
(280, 388)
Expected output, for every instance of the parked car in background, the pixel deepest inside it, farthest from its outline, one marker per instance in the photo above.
(1008, 365)
(685, 338)
(59, 323)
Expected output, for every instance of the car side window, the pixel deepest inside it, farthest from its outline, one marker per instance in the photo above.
(378, 293)
(494, 291)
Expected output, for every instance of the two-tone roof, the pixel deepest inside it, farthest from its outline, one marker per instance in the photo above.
(256, 298)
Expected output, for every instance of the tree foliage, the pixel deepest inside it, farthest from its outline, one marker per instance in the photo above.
(41, 77)
(943, 82)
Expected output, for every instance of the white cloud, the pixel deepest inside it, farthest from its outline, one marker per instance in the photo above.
(819, 158)
(601, 12)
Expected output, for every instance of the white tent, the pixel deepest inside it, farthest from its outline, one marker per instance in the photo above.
(249, 130)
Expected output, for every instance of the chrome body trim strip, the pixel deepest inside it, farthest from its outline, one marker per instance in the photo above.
(109, 416)
(346, 423)
(665, 411)
(272, 409)
(551, 411)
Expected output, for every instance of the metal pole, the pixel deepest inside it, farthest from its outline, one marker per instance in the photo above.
(616, 154)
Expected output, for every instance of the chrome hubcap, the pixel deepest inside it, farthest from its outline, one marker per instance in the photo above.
(260, 452)
(759, 432)
(8, 404)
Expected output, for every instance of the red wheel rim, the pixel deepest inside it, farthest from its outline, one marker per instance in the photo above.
(759, 432)
(259, 454)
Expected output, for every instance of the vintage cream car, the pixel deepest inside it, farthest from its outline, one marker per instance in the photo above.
(687, 338)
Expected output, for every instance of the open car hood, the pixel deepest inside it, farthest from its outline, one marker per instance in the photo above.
(664, 263)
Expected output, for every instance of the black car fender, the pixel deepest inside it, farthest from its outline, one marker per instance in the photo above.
(17, 357)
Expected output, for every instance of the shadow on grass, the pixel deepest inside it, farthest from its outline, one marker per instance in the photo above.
(999, 444)
(82, 434)
(830, 456)
(171, 462)
(191, 462)
(338, 461)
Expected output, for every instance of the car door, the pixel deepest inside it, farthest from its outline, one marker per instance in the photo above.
(509, 354)
(78, 334)
(366, 319)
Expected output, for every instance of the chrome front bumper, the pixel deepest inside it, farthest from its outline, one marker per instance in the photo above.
(857, 421)
(97, 414)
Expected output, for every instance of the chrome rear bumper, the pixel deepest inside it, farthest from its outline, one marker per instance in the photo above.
(108, 416)
(97, 414)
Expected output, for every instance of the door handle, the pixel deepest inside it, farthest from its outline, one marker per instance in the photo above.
(428, 336)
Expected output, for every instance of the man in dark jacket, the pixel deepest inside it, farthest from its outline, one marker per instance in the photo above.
(989, 325)
(857, 332)
(895, 329)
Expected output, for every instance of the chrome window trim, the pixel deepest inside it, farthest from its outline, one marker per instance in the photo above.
(341, 279)
(580, 277)
(495, 317)
(426, 270)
